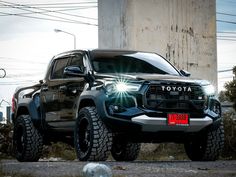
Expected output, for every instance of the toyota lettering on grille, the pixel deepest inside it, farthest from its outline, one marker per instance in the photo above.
(175, 88)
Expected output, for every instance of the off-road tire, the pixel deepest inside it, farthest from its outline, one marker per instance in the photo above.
(123, 150)
(207, 146)
(27, 140)
(92, 138)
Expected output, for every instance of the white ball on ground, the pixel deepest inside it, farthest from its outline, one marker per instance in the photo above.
(96, 170)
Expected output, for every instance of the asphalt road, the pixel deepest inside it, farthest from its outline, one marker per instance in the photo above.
(123, 169)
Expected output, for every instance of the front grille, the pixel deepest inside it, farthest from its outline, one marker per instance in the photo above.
(174, 97)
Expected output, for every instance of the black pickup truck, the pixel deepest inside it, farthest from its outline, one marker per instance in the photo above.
(113, 100)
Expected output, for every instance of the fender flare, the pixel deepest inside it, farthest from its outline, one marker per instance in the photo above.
(33, 110)
(98, 100)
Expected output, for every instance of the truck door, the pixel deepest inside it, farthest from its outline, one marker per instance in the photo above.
(50, 97)
(70, 91)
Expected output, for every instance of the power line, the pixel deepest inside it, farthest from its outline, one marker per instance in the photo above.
(226, 77)
(226, 39)
(225, 70)
(227, 32)
(61, 19)
(43, 11)
(228, 14)
(233, 2)
(56, 7)
(22, 8)
(9, 59)
(62, 3)
(15, 80)
(12, 76)
(225, 21)
(18, 83)
(24, 71)
(76, 15)
(227, 36)
(51, 11)
(48, 19)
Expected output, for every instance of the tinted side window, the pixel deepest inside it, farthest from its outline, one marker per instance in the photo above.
(58, 68)
(77, 61)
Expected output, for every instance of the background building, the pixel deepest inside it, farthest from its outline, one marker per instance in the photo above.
(183, 31)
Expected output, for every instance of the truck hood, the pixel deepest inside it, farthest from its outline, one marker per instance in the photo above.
(151, 78)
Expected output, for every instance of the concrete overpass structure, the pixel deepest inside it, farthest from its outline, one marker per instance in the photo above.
(183, 31)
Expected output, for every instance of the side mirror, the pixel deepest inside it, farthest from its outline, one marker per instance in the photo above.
(73, 71)
(185, 73)
(78, 72)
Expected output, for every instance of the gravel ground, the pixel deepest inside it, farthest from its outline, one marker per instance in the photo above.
(123, 169)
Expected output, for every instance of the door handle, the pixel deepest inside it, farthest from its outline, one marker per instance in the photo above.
(44, 88)
(63, 89)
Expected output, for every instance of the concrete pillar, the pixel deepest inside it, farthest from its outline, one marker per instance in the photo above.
(183, 31)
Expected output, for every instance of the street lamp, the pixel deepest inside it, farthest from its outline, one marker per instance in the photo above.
(58, 31)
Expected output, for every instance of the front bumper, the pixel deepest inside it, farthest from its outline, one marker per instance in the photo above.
(136, 119)
(155, 124)
(127, 114)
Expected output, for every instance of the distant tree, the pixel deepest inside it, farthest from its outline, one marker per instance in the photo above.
(231, 88)
(222, 97)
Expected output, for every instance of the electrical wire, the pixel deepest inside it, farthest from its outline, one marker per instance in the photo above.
(19, 83)
(48, 11)
(227, 32)
(8, 59)
(228, 14)
(52, 11)
(225, 21)
(48, 19)
(225, 78)
(225, 70)
(226, 36)
(226, 39)
(57, 7)
(227, 1)
(22, 7)
(61, 3)
(61, 19)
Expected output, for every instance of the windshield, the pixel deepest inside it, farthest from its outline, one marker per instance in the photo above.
(137, 62)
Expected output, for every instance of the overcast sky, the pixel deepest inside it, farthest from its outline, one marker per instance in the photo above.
(226, 46)
(27, 43)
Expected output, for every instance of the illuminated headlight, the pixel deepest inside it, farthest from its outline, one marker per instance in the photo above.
(127, 87)
(209, 90)
(121, 87)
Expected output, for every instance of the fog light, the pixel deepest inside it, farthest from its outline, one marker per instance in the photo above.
(116, 109)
